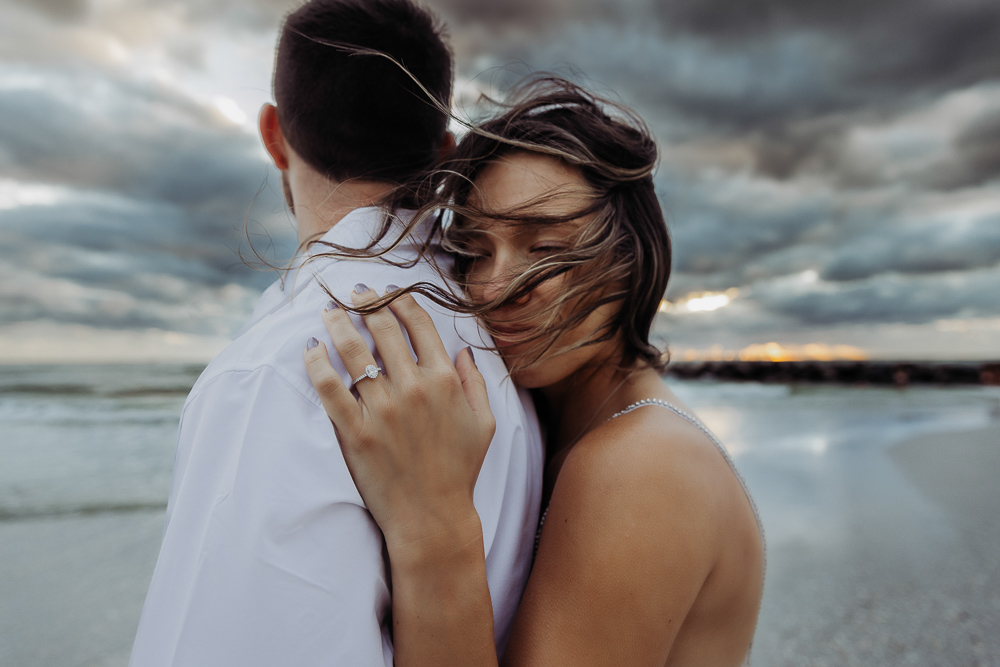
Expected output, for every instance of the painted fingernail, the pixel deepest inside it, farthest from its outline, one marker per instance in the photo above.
(361, 288)
(311, 343)
(331, 305)
(391, 288)
(471, 355)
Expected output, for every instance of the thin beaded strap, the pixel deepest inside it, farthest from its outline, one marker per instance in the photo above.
(711, 436)
(722, 450)
(704, 429)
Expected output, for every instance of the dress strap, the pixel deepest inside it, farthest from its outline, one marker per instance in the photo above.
(683, 414)
(687, 416)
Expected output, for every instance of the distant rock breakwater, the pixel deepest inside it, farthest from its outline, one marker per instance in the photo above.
(893, 373)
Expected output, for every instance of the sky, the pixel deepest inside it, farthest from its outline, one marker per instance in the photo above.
(830, 171)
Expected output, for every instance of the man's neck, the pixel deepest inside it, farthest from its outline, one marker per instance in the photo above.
(319, 203)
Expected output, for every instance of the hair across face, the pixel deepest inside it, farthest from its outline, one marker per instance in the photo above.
(346, 87)
(499, 252)
(613, 258)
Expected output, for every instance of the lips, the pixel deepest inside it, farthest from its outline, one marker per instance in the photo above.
(508, 336)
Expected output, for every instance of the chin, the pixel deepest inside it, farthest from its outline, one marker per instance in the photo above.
(528, 378)
(542, 373)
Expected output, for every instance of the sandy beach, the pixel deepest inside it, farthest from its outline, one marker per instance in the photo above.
(881, 509)
(914, 584)
(72, 587)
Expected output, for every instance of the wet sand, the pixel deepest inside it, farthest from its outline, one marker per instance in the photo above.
(904, 570)
(72, 587)
(914, 583)
(961, 473)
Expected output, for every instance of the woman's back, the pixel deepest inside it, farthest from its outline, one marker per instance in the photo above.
(723, 618)
(649, 523)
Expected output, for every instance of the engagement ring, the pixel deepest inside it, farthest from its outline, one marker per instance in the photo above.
(371, 371)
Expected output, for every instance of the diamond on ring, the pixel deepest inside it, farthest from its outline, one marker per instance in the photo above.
(371, 371)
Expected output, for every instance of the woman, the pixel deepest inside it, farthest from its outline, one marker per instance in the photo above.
(650, 550)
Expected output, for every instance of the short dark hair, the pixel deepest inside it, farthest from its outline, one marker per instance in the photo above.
(351, 113)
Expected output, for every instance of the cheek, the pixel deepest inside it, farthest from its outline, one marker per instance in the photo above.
(546, 295)
(473, 278)
(477, 287)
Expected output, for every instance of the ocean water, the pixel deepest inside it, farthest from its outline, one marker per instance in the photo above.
(863, 566)
(88, 439)
(81, 439)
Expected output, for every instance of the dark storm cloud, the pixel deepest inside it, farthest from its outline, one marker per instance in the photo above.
(27, 308)
(783, 152)
(687, 85)
(152, 194)
(257, 14)
(916, 249)
(113, 135)
(888, 298)
(531, 14)
(129, 237)
(897, 43)
(122, 264)
(789, 78)
(60, 10)
(978, 147)
(720, 227)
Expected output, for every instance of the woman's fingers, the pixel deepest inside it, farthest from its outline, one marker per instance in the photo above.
(338, 402)
(415, 458)
(423, 334)
(385, 331)
(353, 350)
(474, 386)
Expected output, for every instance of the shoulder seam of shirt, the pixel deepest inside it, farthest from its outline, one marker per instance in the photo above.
(193, 396)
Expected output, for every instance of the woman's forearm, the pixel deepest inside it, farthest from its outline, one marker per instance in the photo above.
(441, 608)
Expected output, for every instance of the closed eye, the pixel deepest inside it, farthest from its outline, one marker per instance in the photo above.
(545, 249)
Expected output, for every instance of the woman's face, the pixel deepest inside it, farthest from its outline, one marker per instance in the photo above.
(502, 251)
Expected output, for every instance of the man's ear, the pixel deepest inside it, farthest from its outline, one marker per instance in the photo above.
(447, 146)
(271, 135)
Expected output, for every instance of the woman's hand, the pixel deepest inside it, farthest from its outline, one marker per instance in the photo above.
(414, 441)
(416, 437)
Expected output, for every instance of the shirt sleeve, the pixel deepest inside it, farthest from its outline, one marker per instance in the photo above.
(268, 557)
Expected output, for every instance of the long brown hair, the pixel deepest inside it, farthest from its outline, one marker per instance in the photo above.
(621, 254)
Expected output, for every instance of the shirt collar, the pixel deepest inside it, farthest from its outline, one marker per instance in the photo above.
(359, 228)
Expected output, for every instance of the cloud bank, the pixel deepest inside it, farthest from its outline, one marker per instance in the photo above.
(837, 164)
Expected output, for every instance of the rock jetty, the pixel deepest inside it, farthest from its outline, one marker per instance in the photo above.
(896, 373)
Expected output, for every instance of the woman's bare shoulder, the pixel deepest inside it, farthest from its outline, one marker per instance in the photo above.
(651, 455)
(629, 540)
(646, 483)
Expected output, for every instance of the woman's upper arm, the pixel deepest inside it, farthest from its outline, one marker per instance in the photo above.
(623, 555)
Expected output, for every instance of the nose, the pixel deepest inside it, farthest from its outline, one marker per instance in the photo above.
(503, 268)
(493, 283)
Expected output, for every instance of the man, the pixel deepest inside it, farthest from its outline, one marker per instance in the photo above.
(269, 556)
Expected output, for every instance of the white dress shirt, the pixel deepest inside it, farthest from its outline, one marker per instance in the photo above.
(269, 556)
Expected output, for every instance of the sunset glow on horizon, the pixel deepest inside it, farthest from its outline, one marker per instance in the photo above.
(773, 351)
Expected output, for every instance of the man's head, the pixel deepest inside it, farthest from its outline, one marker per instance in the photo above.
(362, 116)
